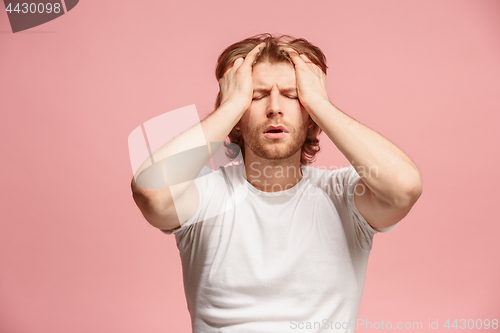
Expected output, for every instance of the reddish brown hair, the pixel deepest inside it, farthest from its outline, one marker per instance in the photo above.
(273, 52)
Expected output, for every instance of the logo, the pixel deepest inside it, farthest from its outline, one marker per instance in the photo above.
(26, 15)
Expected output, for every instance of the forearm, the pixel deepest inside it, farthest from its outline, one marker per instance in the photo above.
(184, 156)
(387, 170)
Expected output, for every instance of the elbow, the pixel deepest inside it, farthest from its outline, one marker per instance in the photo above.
(416, 187)
(141, 199)
(138, 193)
(410, 191)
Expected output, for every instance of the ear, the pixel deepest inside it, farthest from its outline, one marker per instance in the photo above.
(238, 125)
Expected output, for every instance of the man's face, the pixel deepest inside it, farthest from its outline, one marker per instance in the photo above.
(275, 102)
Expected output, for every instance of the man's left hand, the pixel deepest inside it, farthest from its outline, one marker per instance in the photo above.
(311, 81)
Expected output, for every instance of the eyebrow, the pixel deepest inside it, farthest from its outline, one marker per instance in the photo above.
(285, 90)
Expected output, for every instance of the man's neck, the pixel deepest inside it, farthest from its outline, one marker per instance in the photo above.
(273, 175)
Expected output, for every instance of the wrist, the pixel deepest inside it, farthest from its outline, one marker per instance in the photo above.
(234, 107)
(316, 105)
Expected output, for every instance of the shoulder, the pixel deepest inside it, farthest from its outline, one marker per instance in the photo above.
(321, 176)
(233, 172)
(207, 179)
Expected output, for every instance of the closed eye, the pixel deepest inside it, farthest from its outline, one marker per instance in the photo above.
(260, 97)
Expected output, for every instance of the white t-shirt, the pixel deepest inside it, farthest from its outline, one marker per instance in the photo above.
(286, 261)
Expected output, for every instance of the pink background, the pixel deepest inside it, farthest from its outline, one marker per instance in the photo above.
(76, 255)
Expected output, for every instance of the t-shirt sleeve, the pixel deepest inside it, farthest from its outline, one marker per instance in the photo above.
(343, 183)
(214, 194)
(352, 178)
(202, 182)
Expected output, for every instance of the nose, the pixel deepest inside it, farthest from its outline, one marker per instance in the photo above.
(274, 107)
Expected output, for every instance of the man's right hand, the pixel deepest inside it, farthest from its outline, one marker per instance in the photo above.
(236, 86)
(156, 203)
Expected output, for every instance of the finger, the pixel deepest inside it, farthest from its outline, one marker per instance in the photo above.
(306, 59)
(250, 58)
(237, 63)
(315, 67)
(294, 56)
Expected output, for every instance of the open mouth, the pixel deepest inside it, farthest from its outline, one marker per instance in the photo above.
(276, 129)
(275, 133)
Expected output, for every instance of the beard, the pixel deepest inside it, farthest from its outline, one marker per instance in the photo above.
(274, 149)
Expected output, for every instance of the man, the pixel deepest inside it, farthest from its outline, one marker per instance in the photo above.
(272, 244)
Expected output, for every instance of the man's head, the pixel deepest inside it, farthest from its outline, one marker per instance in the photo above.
(275, 100)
